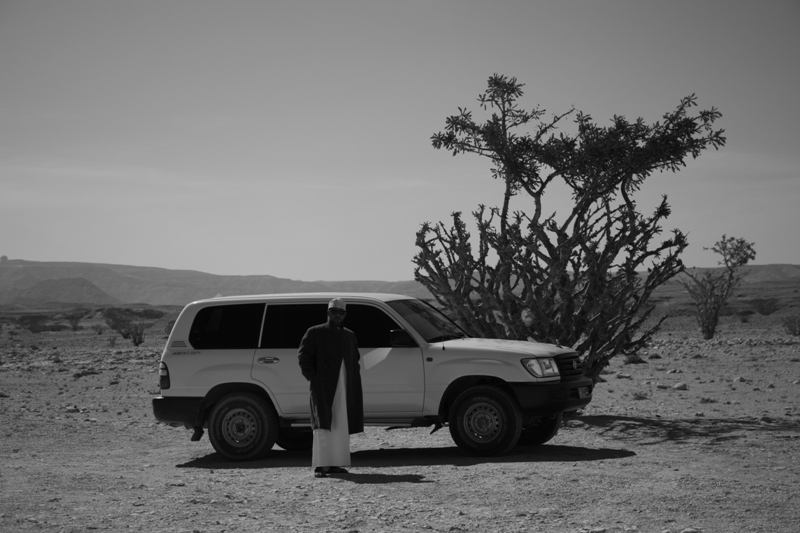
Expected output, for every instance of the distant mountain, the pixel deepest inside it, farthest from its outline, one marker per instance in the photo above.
(78, 291)
(22, 280)
(103, 284)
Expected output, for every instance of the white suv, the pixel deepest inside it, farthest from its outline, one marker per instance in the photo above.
(230, 365)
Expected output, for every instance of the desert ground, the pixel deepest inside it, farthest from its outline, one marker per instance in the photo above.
(703, 436)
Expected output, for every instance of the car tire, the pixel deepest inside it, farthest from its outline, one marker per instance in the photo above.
(485, 421)
(295, 440)
(541, 431)
(243, 427)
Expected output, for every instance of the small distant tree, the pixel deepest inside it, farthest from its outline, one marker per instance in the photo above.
(3, 258)
(712, 288)
(136, 331)
(572, 279)
(74, 318)
(117, 320)
(765, 306)
(33, 323)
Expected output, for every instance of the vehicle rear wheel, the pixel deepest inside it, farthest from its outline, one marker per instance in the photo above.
(485, 421)
(296, 440)
(243, 427)
(541, 431)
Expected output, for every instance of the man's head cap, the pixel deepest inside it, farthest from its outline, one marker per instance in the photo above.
(337, 303)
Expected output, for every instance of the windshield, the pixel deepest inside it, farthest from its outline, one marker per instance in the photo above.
(428, 321)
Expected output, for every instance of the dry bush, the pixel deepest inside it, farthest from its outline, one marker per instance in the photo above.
(792, 325)
(765, 306)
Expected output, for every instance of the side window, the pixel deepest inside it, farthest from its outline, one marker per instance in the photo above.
(370, 324)
(227, 327)
(286, 324)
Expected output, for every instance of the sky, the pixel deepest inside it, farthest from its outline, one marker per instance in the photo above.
(293, 138)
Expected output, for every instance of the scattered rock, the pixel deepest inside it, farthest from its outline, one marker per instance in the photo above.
(680, 386)
(624, 376)
(739, 379)
(633, 359)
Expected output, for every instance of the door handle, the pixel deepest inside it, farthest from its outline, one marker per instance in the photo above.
(268, 360)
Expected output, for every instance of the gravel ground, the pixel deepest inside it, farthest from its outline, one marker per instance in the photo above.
(704, 436)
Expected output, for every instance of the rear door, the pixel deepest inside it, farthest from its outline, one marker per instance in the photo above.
(275, 363)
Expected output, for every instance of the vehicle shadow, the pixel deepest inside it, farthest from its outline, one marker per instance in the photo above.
(394, 457)
(649, 431)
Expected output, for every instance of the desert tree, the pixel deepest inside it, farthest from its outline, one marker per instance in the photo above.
(136, 331)
(74, 318)
(711, 289)
(571, 278)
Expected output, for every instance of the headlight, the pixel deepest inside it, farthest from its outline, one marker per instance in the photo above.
(541, 368)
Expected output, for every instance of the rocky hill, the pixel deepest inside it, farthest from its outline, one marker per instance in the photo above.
(25, 282)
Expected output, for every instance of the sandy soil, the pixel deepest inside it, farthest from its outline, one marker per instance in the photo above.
(705, 436)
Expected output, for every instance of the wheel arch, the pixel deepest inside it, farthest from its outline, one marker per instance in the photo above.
(223, 389)
(467, 382)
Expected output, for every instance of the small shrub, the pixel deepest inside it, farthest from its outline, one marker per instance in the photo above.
(765, 306)
(792, 325)
(99, 328)
(638, 395)
(136, 333)
(744, 315)
(75, 318)
(112, 340)
(33, 323)
(168, 327)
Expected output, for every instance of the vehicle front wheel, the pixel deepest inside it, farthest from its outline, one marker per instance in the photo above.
(295, 440)
(485, 421)
(243, 427)
(541, 431)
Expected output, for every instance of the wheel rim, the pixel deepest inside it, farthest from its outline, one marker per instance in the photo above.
(239, 428)
(482, 422)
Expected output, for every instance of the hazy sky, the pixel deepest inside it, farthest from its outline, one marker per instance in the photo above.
(293, 138)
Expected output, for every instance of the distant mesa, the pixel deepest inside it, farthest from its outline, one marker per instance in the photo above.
(63, 291)
(32, 282)
(24, 282)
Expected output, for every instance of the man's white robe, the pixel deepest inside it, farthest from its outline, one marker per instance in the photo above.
(332, 448)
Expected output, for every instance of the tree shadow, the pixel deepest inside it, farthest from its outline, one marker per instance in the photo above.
(650, 431)
(396, 457)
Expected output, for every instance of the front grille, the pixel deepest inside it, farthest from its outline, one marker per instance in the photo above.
(569, 366)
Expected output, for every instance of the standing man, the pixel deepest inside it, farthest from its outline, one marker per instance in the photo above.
(329, 360)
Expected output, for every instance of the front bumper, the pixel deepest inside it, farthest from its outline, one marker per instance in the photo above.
(545, 399)
(177, 410)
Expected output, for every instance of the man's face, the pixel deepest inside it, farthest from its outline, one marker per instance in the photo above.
(336, 316)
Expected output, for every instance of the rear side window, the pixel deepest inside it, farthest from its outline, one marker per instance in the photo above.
(286, 324)
(226, 327)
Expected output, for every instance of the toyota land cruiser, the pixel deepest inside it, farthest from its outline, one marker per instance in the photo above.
(230, 366)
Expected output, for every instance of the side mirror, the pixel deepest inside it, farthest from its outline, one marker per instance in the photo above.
(400, 338)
